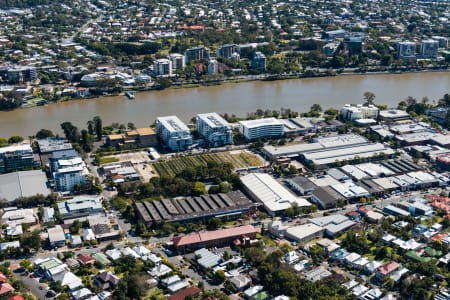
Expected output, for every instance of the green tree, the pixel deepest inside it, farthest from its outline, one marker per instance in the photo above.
(369, 98)
(31, 241)
(163, 83)
(131, 126)
(337, 62)
(316, 107)
(71, 132)
(27, 264)
(199, 188)
(75, 227)
(98, 127)
(3, 142)
(90, 127)
(44, 133)
(15, 139)
(214, 223)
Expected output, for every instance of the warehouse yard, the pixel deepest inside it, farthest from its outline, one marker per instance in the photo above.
(239, 159)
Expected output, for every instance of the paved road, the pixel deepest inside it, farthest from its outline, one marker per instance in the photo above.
(34, 285)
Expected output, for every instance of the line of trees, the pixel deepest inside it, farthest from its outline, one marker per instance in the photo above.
(87, 136)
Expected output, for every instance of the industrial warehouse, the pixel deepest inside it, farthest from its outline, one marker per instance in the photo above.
(184, 209)
(328, 151)
(350, 183)
(265, 189)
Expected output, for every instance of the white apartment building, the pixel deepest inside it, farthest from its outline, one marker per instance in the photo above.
(178, 61)
(261, 128)
(213, 66)
(69, 173)
(215, 129)
(352, 112)
(162, 67)
(174, 133)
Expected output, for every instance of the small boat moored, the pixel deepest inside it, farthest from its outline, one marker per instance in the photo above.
(129, 94)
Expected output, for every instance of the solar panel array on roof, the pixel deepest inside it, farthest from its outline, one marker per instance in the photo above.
(391, 167)
(409, 164)
(400, 166)
(180, 209)
(152, 211)
(169, 206)
(144, 213)
(161, 210)
(218, 201)
(202, 203)
(193, 204)
(185, 206)
(226, 199)
(210, 202)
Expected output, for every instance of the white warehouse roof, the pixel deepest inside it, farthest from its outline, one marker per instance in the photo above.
(270, 192)
(349, 153)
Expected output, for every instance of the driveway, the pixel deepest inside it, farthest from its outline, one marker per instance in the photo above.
(33, 285)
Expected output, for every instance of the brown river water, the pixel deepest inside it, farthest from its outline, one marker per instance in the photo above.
(231, 98)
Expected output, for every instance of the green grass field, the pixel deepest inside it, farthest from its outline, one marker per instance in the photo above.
(174, 166)
(108, 160)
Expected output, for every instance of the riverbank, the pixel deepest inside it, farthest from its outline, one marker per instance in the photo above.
(238, 99)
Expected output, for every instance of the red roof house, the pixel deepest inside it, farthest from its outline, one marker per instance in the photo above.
(16, 297)
(387, 269)
(190, 291)
(213, 238)
(85, 259)
(5, 288)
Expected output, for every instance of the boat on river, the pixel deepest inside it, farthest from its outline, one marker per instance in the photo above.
(130, 94)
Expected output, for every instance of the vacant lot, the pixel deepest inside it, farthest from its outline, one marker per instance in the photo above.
(239, 160)
(133, 157)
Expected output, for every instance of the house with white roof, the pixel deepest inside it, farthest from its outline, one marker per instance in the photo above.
(114, 254)
(160, 270)
(372, 294)
(360, 263)
(156, 260)
(349, 259)
(250, 292)
(240, 282)
(291, 257)
(128, 251)
(350, 284)
(141, 250)
(359, 290)
(372, 266)
(68, 279)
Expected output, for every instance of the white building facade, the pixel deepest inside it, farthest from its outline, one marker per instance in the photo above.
(178, 61)
(174, 133)
(162, 67)
(352, 112)
(69, 174)
(261, 128)
(215, 129)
